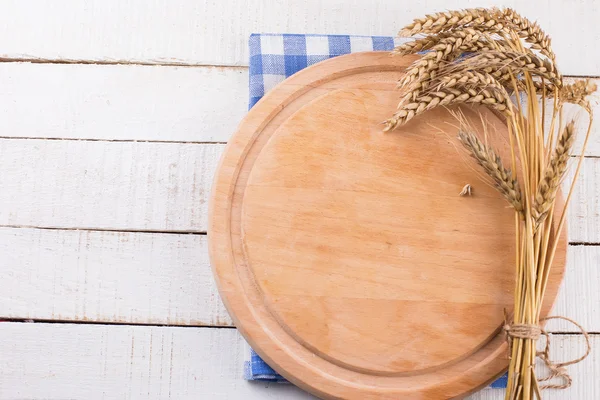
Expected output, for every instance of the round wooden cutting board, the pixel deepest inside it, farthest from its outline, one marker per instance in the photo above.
(346, 256)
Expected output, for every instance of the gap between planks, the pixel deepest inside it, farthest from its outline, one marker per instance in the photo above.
(203, 326)
(172, 232)
(52, 228)
(82, 322)
(33, 60)
(108, 140)
(147, 141)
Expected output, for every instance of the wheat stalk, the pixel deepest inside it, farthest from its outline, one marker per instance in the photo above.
(510, 55)
(490, 95)
(427, 42)
(531, 32)
(578, 92)
(442, 49)
(517, 63)
(467, 79)
(492, 164)
(497, 56)
(491, 20)
(416, 45)
(472, 40)
(502, 64)
(548, 187)
(442, 21)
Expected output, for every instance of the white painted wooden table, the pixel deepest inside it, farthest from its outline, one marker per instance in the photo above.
(113, 114)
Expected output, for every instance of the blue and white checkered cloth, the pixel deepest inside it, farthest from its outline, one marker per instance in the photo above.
(274, 57)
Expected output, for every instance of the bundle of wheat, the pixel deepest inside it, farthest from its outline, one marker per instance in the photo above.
(485, 57)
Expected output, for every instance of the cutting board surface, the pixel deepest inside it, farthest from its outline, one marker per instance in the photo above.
(347, 257)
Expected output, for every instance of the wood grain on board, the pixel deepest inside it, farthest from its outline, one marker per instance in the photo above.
(216, 32)
(66, 361)
(333, 242)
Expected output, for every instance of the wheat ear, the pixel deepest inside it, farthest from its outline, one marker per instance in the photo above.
(491, 163)
(416, 45)
(469, 77)
(531, 32)
(444, 21)
(442, 49)
(498, 63)
(487, 92)
(466, 79)
(469, 39)
(578, 92)
(491, 20)
(548, 186)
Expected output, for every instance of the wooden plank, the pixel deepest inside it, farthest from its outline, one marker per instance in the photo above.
(121, 102)
(41, 361)
(106, 185)
(155, 186)
(133, 102)
(108, 277)
(584, 210)
(579, 297)
(129, 277)
(193, 32)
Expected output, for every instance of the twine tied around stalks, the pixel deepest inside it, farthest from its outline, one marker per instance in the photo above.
(534, 332)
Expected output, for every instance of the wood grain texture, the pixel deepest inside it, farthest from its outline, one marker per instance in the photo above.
(88, 362)
(579, 297)
(130, 277)
(121, 102)
(108, 277)
(584, 211)
(324, 230)
(133, 102)
(106, 185)
(156, 186)
(216, 33)
(125, 362)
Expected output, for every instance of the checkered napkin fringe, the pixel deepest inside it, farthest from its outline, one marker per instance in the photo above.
(274, 57)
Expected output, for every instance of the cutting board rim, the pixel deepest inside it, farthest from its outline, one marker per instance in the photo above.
(228, 272)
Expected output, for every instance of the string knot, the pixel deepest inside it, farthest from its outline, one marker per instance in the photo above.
(523, 331)
(533, 332)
